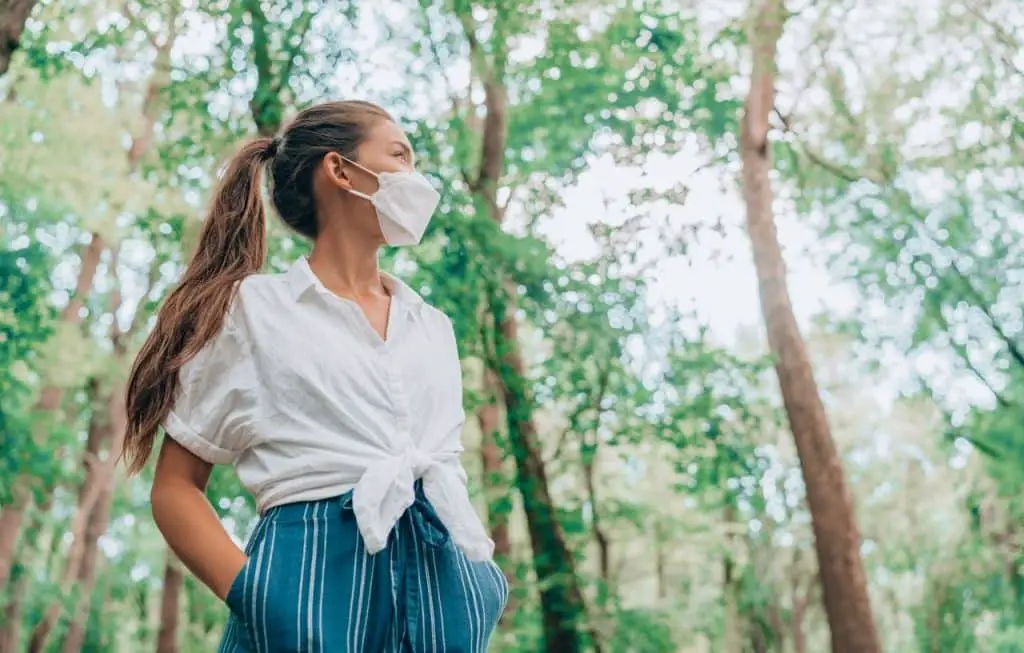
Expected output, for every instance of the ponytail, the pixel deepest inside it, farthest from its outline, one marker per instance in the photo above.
(232, 246)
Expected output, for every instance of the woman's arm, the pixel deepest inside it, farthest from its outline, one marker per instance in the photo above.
(187, 520)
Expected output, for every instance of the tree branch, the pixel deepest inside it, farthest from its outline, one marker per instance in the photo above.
(850, 175)
(302, 25)
(139, 23)
(1002, 36)
(436, 53)
(986, 309)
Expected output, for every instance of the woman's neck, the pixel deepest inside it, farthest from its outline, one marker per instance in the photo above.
(346, 266)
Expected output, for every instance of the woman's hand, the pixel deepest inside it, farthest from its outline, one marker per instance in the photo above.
(222, 592)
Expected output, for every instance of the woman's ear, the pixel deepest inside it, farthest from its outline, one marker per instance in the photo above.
(337, 170)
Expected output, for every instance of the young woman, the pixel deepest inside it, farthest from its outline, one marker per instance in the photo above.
(336, 393)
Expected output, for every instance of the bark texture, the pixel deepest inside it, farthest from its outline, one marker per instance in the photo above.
(837, 540)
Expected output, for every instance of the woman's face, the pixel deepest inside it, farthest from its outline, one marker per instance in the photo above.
(384, 149)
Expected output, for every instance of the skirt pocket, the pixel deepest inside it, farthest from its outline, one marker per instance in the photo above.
(287, 597)
(275, 584)
(248, 591)
(237, 590)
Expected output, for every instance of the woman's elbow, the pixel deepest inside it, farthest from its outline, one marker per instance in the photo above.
(179, 475)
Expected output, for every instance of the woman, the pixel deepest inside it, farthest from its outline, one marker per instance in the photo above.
(336, 393)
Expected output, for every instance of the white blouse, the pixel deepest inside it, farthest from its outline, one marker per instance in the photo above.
(307, 401)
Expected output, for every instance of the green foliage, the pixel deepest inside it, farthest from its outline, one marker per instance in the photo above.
(26, 322)
(641, 631)
(663, 442)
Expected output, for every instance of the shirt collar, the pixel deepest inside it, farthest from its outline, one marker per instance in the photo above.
(301, 280)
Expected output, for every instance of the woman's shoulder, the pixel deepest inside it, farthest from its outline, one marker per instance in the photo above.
(255, 295)
(436, 317)
(257, 290)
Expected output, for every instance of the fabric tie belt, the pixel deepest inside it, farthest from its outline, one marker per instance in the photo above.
(388, 488)
(424, 519)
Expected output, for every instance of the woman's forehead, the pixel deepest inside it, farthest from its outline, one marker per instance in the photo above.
(386, 131)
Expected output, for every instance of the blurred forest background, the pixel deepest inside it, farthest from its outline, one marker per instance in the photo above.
(622, 179)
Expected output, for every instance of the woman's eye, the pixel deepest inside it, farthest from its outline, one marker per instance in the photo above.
(402, 155)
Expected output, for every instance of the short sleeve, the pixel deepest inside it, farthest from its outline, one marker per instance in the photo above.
(216, 400)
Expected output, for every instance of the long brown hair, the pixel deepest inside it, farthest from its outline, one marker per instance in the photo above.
(233, 246)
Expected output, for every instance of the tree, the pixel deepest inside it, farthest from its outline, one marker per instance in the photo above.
(561, 598)
(946, 263)
(509, 159)
(837, 540)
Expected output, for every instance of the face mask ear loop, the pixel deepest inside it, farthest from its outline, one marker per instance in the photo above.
(364, 169)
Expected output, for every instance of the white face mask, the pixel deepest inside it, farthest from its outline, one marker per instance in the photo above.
(405, 202)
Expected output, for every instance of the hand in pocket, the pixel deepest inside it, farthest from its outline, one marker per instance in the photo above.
(236, 586)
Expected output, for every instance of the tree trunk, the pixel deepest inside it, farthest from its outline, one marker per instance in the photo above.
(10, 528)
(167, 637)
(602, 622)
(74, 637)
(600, 537)
(733, 633)
(590, 443)
(50, 399)
(107, 424)
(268, 102)
(10, 627)
(495, 484)
(777, 625)
(91, 516)
(562, 606)
(659, 564)
(837, 540)
(13, 16)
(99, 518)
(561, 599)
(799, 639)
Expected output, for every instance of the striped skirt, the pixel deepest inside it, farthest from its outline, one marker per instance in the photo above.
(310, 586)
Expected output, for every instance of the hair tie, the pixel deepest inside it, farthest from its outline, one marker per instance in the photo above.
(275, 145)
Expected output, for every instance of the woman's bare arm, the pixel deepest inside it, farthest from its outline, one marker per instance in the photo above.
(187, 520)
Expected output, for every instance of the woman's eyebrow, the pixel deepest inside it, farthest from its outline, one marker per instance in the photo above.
(404, 146)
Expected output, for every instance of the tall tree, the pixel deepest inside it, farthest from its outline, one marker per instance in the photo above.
(510, 158)
(170, 610)
(561, 597)
(495, 488)
(96, 526)
(837, 539)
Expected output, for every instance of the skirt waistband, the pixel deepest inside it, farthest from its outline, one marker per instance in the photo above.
(422, 514)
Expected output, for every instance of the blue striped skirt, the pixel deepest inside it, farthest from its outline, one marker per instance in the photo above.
(310, 586)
